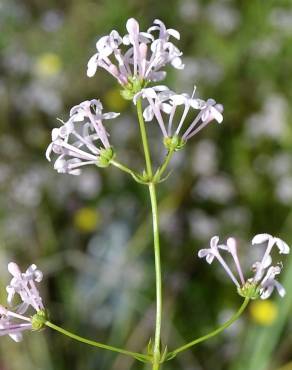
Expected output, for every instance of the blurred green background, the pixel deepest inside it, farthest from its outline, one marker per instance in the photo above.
(91, 235)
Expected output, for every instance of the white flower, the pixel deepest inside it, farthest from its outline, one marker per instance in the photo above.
(136, 55)
(269, 283)
(164, 101)
(75, 142)
(213, 252)
(260, 266)
(22, 284)
(9, 327)
(263, 283)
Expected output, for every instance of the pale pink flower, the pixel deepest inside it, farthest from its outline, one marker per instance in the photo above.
(263, 282)
(136, 55)
(23, 284)
(80, 140)
(163, 104)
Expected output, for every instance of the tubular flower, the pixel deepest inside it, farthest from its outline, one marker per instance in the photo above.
(163, 101)
(263, 283)
(75, 142)
(137, 57)
(14, 322)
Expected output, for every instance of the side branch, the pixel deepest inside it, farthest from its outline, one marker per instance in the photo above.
(213, 333)
(137, 356)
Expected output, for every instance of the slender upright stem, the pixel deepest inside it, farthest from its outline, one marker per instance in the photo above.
(213, 333)
(144, 138)
(156, 348)
(136, 355)
(152, 192)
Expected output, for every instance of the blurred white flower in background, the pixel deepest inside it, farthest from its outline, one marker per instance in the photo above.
(281, 19)
(189, 10)
(223, 17)
(52, 20)
(204, 158)
(283, 190)
(37, 95)
(271, 121)
(280, 165)
(88, 185)
(237, 216)
(201, 70)
(109, 285)
(202, 225)
(218, 188)
(266, 47)
(16, 60)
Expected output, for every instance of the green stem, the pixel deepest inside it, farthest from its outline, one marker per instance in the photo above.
(213, 333)
(152, 191)
(156, 348)
(144, 138)
(122, 167)
(136, 355)
(165, 163)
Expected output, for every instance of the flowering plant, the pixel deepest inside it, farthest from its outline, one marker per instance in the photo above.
(137, 60)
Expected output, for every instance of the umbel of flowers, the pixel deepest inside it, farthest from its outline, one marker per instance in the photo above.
(82, 140)
(15, 320)
(263, 282)
(137, 60)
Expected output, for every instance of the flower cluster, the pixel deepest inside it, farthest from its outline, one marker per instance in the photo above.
(137, 57)
(161, 101)
(75, 141)
(134, 59)
(263, 282)
(23, 285)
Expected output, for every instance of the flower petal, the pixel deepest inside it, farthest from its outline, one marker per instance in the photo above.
(283, 247)
(261, 238)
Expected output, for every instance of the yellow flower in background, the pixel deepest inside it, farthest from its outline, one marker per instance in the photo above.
(86, 219)
(263, 312)
(114, 100)
(48, 64)
(286, 367)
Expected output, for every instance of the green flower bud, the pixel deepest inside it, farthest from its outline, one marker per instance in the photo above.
(132, 88)
(174, 143)
(249, 290)
(105, 157)
(38, 320)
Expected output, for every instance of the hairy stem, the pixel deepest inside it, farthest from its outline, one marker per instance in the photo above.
(213, 333)
(138, 356)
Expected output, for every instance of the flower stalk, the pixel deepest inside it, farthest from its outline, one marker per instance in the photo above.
(137, 356)
(172, 354)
